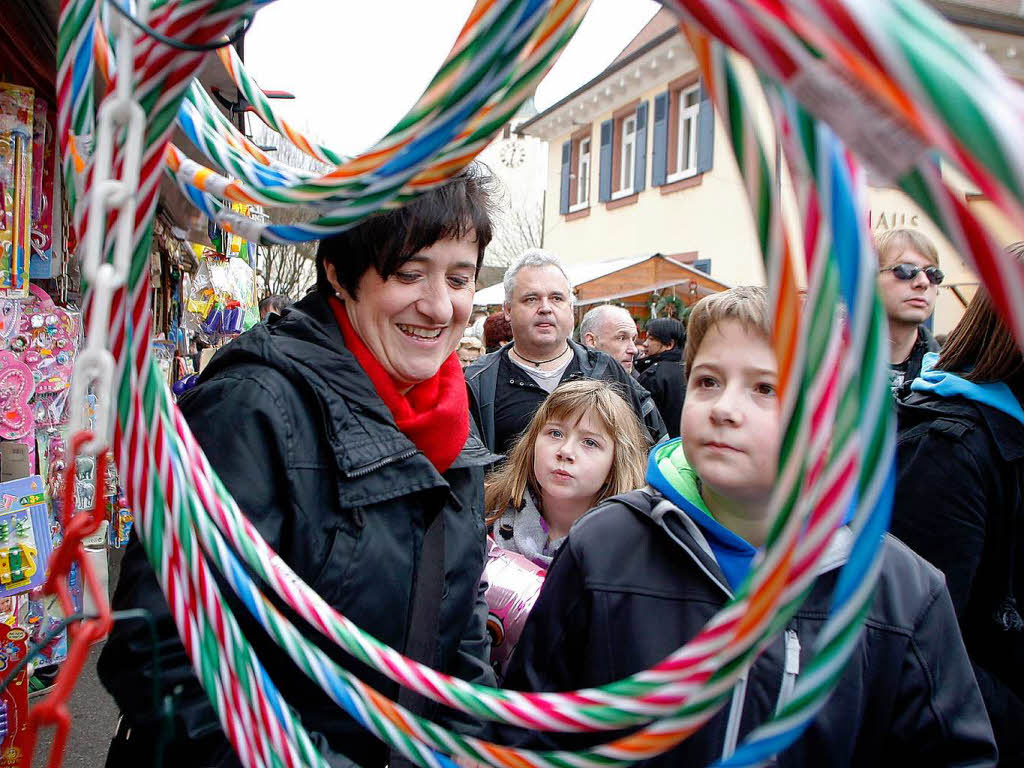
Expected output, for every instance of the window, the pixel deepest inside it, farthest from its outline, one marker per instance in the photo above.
(583, 175)
(577, 163)
(627, 157)
(622, 159)
(686, 135)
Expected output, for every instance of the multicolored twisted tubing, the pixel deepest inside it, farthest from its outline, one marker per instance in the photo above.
(262, 107)
(184, 510)
(133, 363)
(339, 185)
(844, 236)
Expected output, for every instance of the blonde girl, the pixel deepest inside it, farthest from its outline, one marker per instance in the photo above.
(583, 445)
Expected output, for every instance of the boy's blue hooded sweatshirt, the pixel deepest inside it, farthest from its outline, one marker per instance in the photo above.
(994, 394)
(670, 474)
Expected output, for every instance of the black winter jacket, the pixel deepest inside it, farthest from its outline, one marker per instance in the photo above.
(662, 376)
(635, 581)
(296, 432)
(482, 381)
(960, 505)
(925, 343)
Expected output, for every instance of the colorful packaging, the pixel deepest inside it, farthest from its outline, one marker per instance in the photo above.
(14, 700)
(45, 262)
(513, 586)
(25, 543)
(16, 126)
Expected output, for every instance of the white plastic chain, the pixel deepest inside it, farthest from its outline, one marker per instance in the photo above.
(95, 364)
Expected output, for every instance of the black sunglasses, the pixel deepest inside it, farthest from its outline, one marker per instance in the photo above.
(909, 272)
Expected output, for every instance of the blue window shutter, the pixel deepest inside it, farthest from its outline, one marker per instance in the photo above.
(604, 189)
(705, 132)
(704, 265)
(563, 204)
(659, 152)
(640, 168)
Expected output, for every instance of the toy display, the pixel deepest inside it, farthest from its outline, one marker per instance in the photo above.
(221, 299)
(25, 542)
(14, 700)
(16, 126)
(10, 320)
(42, 262)
(16, 389)
(47, 341)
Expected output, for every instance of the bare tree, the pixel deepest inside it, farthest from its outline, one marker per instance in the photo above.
(284, 151)
(517, 226)
(287, 269)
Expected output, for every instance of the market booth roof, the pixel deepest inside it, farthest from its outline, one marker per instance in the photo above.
(619, 278)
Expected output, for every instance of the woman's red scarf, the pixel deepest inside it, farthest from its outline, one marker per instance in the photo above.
(434, 414)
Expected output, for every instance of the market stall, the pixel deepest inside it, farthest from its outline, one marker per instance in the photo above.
(203, 295)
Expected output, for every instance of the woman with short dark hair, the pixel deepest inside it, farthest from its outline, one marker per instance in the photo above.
(960, 499)
(342, 430)
(660, 371)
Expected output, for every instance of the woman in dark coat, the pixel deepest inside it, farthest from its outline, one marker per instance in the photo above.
(660, 372)
(960, 500)
(341, 428)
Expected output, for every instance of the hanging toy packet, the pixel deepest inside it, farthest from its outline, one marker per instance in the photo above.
(14, 700)
(25, 543)
(16, 111)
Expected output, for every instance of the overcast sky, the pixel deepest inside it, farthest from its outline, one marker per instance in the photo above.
(355, 68)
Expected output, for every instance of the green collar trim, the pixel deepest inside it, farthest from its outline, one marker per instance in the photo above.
(672, 463)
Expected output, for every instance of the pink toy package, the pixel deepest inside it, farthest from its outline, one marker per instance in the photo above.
(513, 585)
(46, 341)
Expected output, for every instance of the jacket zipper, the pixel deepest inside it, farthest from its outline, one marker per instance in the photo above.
(791, 670)
(732, 728)
(368, 468)
(739, 691)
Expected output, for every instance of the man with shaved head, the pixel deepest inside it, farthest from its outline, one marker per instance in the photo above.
(612, 330)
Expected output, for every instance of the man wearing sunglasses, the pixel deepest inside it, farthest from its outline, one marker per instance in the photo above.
(908, 282)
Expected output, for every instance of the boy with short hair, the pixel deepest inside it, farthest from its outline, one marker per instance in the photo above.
(641, 574)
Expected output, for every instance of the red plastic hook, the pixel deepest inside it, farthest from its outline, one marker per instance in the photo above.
(53, 710)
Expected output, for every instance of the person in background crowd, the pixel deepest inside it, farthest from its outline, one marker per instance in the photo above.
(960, 499)
(612, 330)
(475, 328)
(644, 572)
(342, 430)
(507, 387)
(470, 348)
(497, 332)
(660, 372)
(908, 282)
(583, 445)
(276, 304)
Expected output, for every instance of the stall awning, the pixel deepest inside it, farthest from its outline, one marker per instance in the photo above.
(596, 282)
